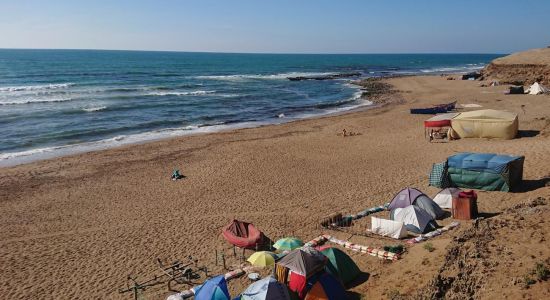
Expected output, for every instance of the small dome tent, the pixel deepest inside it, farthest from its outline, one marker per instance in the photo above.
(415, 218)
(536, 89)
(445, 197)
(412, 196)
(340, 265)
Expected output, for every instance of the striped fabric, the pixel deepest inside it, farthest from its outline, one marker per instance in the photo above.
(281, 273)
(439, 176)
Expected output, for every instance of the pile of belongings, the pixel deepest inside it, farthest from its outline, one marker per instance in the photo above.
(483, 171)
(243, 234)
(537, 89)
(436, 109)
(315, 275)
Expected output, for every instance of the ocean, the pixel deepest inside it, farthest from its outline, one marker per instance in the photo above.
(60, 102)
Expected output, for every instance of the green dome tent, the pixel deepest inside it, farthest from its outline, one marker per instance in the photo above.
(340, 265)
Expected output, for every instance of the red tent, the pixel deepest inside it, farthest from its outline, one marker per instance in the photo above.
(242, 234)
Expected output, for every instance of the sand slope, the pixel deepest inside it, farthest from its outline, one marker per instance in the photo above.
(75, 227)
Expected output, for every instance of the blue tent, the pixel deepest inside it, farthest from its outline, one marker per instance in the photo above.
(213, 289)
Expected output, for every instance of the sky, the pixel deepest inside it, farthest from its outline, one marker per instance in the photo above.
(278, 26)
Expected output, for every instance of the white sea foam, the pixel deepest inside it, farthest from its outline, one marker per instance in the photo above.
(96, 108)
(33, 100)
(260, 76)
(193, 93)
(50, 86)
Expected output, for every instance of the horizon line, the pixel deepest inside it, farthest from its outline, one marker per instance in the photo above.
(260, 53)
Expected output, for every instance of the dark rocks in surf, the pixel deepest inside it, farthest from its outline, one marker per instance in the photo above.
(324, 77)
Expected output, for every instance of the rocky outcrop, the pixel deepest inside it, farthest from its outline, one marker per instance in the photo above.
(324, 77)
(522, 68)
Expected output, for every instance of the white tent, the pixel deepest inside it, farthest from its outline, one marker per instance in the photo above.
(415, 218)
(445, 197)
(383, 227)
(536, 89)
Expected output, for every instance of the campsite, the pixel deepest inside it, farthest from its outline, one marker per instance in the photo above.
(297, 209)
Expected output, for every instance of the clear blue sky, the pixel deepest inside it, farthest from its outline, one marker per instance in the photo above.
(295, 26)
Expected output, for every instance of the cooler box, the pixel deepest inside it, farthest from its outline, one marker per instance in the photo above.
(465, 206)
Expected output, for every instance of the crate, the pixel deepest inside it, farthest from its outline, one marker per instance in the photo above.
(465, 206)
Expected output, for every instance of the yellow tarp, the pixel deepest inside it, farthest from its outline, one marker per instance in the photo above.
(486, 123)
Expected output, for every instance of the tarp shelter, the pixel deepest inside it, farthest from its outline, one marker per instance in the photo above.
(536, 89)
(486, 171)
(326, 288)
(486, 123)
(213, 289)
(388, 228)
(445, 197)
(412, 196)
(266, 289)
(340, 265)
(415, 219)
(441, 120)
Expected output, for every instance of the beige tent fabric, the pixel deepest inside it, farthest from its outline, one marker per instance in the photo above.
(486, 123)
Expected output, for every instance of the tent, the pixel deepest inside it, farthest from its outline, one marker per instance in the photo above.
(536, 89)
(412, 196)
(445, 197)
(415, 218)
(486, 123)
(242, 234)
(340, 265)
(303, 262)
(266, 289)
(213, 289)
(388, 228)
(326, 288)
(486, 171)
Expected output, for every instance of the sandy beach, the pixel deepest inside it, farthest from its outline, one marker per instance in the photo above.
(74, 227)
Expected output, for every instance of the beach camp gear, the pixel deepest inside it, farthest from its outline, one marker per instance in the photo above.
(388, 228)
(437, 127)
(242, 234)
(416, 219)
(288, 243)
(412, 196)
(340, 265)
(445, 197)
(262, 259)
(486, 171)
(266, 289)
(536, 89)
(436, 109)
(326, 288)
(439, 176)
(213, 289)
(471, 76)
(465, 206)
(486, 123)
(516, 90)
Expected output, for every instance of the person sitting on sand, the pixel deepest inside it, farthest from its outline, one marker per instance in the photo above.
(176, 175)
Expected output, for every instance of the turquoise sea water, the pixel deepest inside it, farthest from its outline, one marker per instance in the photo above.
(57, 102)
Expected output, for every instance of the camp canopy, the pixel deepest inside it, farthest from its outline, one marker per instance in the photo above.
(389, 228)
(486, 123)
(486, 171)
(537, 88)
(415, 218)
(412, 196)
(340, 265)
(445, 197)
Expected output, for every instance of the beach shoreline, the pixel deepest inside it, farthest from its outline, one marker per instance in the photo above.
(86, 221)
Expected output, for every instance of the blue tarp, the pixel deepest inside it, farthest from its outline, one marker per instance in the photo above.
(481, 162)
